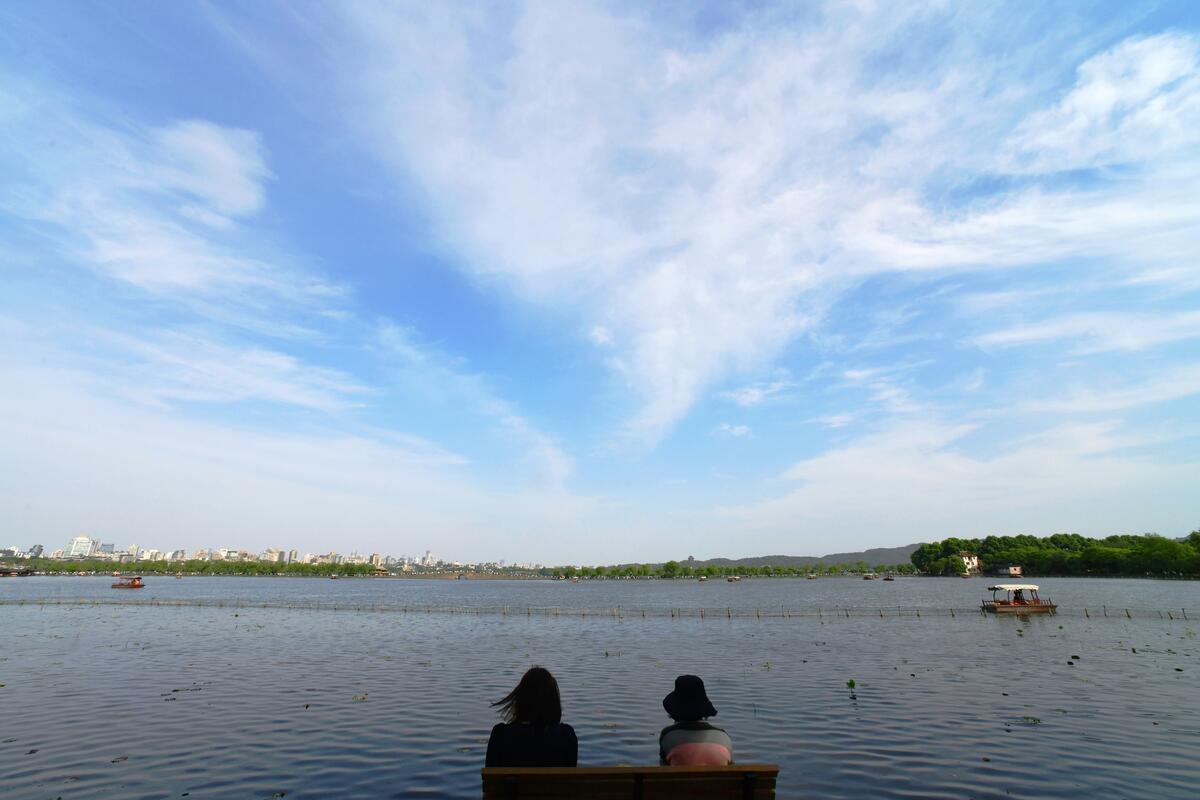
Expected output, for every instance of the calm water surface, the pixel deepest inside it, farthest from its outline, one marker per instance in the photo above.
(111, 701)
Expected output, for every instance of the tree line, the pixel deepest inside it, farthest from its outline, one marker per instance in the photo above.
(674, 569)
(196, 567)
(1067, 554)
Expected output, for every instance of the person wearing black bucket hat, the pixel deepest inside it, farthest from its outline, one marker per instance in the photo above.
(691, 741)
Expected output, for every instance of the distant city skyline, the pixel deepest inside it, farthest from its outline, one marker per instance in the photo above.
(86, 547)
(597, 282)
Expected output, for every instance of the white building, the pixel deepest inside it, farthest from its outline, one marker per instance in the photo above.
(81, 547)
(970, 561)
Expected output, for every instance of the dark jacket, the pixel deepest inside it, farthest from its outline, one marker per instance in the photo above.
(514, 744)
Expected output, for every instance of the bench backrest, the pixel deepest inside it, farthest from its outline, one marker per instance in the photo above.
(736, 782)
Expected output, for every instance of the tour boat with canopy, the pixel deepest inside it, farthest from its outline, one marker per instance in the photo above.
(1019, 598)
(134, 582)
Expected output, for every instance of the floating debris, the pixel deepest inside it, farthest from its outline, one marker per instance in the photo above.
(119, 759)
(359, 697)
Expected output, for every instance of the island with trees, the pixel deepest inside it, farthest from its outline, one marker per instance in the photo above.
(1067, 554)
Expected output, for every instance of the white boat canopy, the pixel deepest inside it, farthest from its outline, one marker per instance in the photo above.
(1012, 587)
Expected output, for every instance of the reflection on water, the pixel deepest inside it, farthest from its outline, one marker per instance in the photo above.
(106, 701)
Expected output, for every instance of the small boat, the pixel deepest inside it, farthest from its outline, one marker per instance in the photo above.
(871, 576)
(734, 578)
(702, 578)
(574, 580)
(134, 582)
(964, 574)
(889, 577)
(333, 577)
(1019, 598)
(179, 576)
(812, 576)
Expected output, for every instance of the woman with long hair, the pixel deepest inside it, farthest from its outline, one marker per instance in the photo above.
(532, 734)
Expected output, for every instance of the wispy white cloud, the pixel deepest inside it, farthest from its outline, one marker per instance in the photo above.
(885, 385)
(162, 208)
(601, 336)
(705, 201)
(1160, 387)
(1100, 332)
(917, 481)
(837, 420)
(1137, 101)
(756, 393)
(734, 431)
(447, 378)
(223, 168)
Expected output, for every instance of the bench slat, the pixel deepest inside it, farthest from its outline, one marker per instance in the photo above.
(610, 783)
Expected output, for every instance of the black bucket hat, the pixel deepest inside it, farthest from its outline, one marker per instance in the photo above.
(689, 700)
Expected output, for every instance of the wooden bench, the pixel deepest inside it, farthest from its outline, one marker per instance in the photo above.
(736, 782)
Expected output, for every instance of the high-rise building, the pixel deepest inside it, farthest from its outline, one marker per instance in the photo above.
(36, 551)
(293, 556)
(81, 547)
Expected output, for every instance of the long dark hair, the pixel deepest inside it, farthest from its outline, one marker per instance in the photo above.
(535, 700)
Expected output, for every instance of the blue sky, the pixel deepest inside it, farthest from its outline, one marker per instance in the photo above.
(597, 282)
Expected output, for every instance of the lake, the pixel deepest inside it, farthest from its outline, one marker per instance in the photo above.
(248, 701)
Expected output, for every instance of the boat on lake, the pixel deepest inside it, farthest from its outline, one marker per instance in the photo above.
(812, 576)
(134, 582)
(702, 578)
(1019, 598)
(734, 578)
(871, 576)
(889, 577)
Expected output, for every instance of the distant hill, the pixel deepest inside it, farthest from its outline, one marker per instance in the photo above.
(878, 555)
